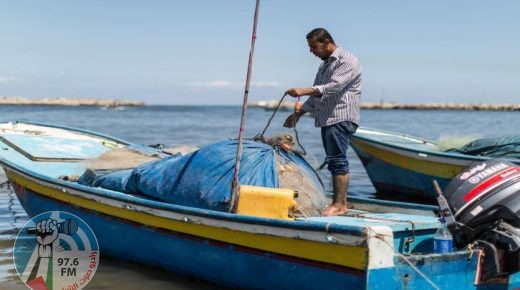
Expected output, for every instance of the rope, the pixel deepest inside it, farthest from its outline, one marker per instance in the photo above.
(408, 240)
(234, 188)
(416, 269)
(298, 141)
(260, 137)
(381, 237)
(321, 166)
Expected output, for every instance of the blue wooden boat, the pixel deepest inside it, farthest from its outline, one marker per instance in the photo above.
(379, 245)
(398, 163)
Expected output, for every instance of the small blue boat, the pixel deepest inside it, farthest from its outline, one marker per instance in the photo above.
(398, 163)
(378, 245)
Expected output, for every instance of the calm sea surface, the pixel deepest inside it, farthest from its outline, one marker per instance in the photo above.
(198, 126)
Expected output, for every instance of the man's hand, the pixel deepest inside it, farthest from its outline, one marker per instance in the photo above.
(294, 92)
(298, 92)
(291, 121)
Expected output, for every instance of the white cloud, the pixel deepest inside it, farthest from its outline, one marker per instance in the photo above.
(223, 84)
(6, 79)
(219, 84)
(265, 84)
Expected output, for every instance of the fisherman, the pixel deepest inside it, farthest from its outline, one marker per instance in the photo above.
(334, 99)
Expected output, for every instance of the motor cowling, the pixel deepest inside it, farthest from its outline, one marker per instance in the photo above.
(484, 201)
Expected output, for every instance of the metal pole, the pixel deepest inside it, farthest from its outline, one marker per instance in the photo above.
(234, 192)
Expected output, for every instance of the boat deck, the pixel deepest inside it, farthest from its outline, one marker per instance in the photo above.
(50, 152)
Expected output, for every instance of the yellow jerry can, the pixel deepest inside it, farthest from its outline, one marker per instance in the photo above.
(266, 202)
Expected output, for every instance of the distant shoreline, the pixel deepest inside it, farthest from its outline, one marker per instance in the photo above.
(68, 102)
(442, 106)
(288, 105)
(265, 104)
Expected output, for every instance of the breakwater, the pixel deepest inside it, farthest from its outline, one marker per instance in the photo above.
(288, 105)
(68, 102)
(442, 106)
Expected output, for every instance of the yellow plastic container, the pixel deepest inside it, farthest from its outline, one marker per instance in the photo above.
(266, 202)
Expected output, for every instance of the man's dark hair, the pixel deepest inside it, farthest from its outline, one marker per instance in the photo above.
(320, 34)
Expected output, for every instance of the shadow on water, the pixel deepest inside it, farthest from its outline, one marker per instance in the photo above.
(114, 273)
(12, 218)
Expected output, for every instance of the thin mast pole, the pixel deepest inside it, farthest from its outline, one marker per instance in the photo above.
(234, 192)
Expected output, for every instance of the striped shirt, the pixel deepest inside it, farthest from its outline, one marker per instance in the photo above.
(339, 82)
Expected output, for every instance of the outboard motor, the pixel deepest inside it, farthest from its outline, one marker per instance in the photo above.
(482, 205)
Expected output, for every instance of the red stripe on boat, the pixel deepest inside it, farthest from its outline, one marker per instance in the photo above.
(497, 177)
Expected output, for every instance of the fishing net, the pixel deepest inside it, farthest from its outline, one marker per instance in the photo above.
(133, 156)
(202, 178)
(503, 147)
(310, 195)
(298, 176)
(449, 142)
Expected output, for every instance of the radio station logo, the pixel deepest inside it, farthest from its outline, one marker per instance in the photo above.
(56, 250)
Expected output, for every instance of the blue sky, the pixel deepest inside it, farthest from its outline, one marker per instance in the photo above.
(196, 52)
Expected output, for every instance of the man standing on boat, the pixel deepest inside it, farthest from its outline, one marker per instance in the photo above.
(334, 99)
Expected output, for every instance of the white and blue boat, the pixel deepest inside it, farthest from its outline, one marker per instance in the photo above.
(378, 245)
(407, 165)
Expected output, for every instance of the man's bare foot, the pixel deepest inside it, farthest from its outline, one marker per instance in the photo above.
(333, 210)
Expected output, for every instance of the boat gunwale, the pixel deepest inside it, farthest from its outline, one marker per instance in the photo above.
(77, 130)
(427, 151)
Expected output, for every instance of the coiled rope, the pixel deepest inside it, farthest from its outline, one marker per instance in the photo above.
(260, 137)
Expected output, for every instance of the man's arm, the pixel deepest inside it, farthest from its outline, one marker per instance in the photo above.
(343, 74)
(298, 92)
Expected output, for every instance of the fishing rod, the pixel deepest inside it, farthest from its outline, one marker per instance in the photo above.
(234, 190)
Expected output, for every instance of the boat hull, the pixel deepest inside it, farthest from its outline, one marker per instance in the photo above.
(230, 264)
(392, 171)
(213, 260)
(406, 165)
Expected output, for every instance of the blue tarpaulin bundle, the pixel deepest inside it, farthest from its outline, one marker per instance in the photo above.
(203, 178)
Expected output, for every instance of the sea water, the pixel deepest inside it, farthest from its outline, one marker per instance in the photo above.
(200, 125)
